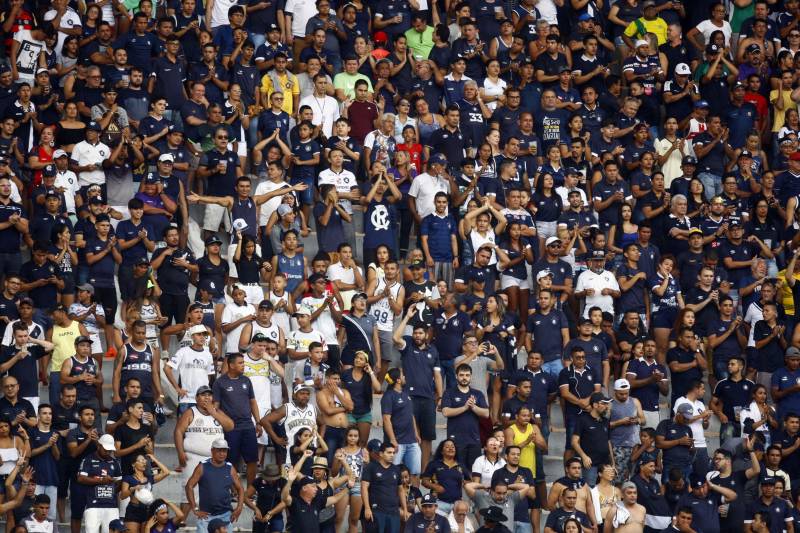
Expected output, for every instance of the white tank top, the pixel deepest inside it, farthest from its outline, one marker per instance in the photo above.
(478, 240)
(384, 316)
(281, 318)
(297, 419)
(265, 381)
(271, 332)
(201, 432)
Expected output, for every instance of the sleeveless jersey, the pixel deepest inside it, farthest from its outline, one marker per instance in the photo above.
(246, 210)
(201, 432)
(281, 318)
(271, 332)
(264, 382)
(293, 268)
(215, 488)
(138, 364)
(384, 316)
(85, 392)
(297, 419)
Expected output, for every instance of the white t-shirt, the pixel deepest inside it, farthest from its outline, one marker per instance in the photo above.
(344, 181)
(326, 111)
(486, 468)
(336, 272)
(69, 182)
(193, 368)
(672, 166)
(271, 205)
(563, 192)
(219, 12)
(232, 313)
(698, 407)
(598, 282)
(28, 55)
(324, 322)
(707, 28)
(424, 189)
(301, 11)
(754, 314)
(70, 20)
(85, 154)
(491, 88)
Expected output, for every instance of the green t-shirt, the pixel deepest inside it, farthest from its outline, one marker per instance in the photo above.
(347, 82)
(420, 44)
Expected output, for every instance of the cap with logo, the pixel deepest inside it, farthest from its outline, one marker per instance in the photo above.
(689, 160)
(219, 444)
(300, 387)
(552, 240)
(198, 329)
(164, 158)
(544, 273)
(437, 159)
(622, 384)
(682, 69)
(684, 409)
(599, 397)
(429, 499)
(93, 126)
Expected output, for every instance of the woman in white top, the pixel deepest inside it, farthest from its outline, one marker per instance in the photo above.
(346, 275)
(493, 87)
(234, 316)
(402, 119)
(670, 149)
(716, 21)
(483, 233)
(760, 413)
(487, 464)
(12, 448)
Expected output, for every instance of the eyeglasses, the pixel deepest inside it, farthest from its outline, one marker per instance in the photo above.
(222, 137)
(277, 97)
(794, 35)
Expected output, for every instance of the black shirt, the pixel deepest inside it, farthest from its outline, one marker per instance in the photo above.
(383, 483)
(305, 516)
(679, 455)
(593, 435)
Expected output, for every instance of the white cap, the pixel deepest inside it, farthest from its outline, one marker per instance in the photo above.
(219, 444)
(59, 153)
(240, 224)
(642, 42)
(167, 157)
(543, 274)
(198, 328)
(107, 442)
(551, 240)
(683, 69)
(622, 384)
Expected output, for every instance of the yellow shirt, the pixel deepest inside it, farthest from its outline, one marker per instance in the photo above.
(527, 456)
(779, 115)
(289, 86)
(785, 292)
(64, 340)
(657, 27)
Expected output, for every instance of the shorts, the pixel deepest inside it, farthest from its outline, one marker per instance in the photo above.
(192, 460)
(511, 281)
(546, 229)
(664, 318)
(136, 513)
(69, 283)
(96, 519)
(358, 419)
(97, 346)
(425, 415)
(242, 445)
(77, 499)
(389, 353)
(241, 148)
(306, 197)
(215, 215)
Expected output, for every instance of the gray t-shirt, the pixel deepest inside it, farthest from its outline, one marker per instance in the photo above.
(483, 500)
(234, 397)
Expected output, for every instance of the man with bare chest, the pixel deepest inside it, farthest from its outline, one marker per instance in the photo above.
(626, 516)
(334, 403)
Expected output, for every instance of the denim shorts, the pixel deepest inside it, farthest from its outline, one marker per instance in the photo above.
(411, 456)
(362, 418)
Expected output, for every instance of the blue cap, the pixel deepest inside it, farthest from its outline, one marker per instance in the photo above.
(429, 499)
(478, 275)
(438, 158)
(584, 17)
(701, 103)
(94, 126)
(117, 525)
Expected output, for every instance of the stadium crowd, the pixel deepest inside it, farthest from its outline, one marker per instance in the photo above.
(288, 226)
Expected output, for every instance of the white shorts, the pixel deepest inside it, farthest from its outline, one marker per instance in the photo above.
(192, 460)
(510, 281)
(255, 293)
(241, 148)
(214, 216)
(546, 229)
(97, 346)
(96, 519)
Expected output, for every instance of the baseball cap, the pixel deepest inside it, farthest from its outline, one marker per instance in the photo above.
(734, 221)
(51, 194)
(212, 239)
(27, 301)
(81, 339)
(380, 37)
(86, 287)
(571, 171)
(746, 153)
(92, 125)
(49, 171)
(696, 481)
(416, 264)
(265, 304)
(752, 48)
(259, 337)
(552, 240)
(683, 69)
(767, 480)
(599, 397)
(701, 103)
(117, 525)
(219, 444)
(437, 159)
(689, 160)
(284, 210)
(240, 224)
(648, 3)
(96, 200)
(695, 231)
(584, 17)
(107, 443)
(299, 387)
(543, 274)
(198, 329)
(203, 389)
(597, 254)
(622, 384)
(59, 153)
(272, 27)
(564, 68)
(302, 310)
(356, 296)
(712, 49)
(792, 352)
(374, 445)
(166, 157)
(429, 499)
(642, 42)
(684, 409)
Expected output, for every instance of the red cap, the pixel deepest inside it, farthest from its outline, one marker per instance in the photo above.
(380, 37)
(795, 156)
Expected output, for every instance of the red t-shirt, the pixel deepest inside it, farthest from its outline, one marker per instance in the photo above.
(414, 153)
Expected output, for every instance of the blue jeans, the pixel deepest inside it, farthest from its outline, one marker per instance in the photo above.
(183, 407)
(387, 523)
(590, 475)
(553, 367)
(257, 38)
(523, 527)
(712, 184)
(411, 456)
(202, 523)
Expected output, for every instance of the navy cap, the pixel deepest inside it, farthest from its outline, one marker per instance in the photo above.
(752, 48)
(302, 482)
(689, 160)
(437, 159)
(117, 525)
(767, 480)
(478, 275)
(313, 278)
(571, 171)
(212, 239)
(416, 264)
(429, 499)
(696, 481)
(374, 445)
(4, 68)
(51, 194)
(272, 27)
(712, 49)
(81, 339)
(701, 103)
(92, 125)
